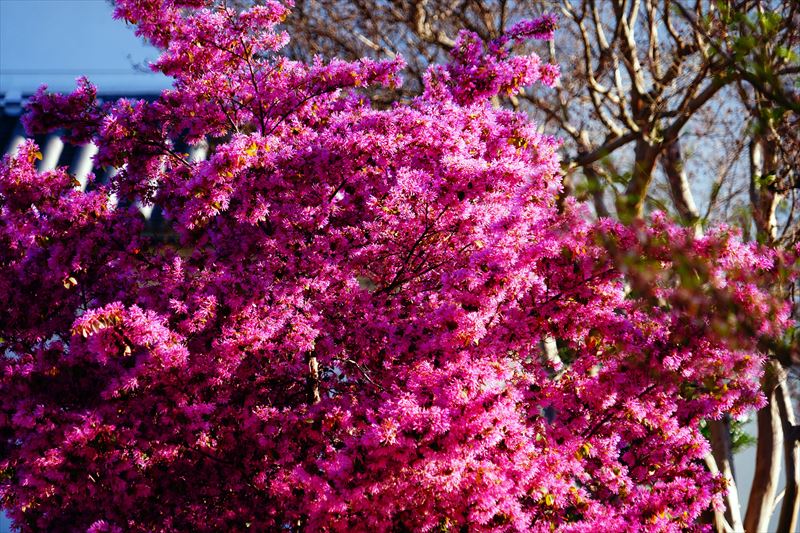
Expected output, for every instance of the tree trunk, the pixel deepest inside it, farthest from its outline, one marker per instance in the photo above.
(716, 519)
(312, 380)
(672, 162)
(596, 188)
(768, 455)
(722, 449)
(763, 197)
(631, 205)
(791, 451)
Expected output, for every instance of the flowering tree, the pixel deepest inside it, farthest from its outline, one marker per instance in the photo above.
(363, 319)
(657, 99)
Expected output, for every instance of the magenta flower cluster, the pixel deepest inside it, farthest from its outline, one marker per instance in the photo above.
(345, 327)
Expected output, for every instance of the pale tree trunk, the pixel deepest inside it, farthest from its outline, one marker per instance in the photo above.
(790, 507)
(768, 454)
(722, 450)
(682, 198)
(774, 418)
(716, 519)
(721, 458)
(312, 380)
(763, 197)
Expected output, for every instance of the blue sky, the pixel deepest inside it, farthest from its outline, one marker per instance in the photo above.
(55, 41)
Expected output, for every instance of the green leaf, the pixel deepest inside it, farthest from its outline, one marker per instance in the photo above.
(770, 21)
(743, 44)
(784, 52)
